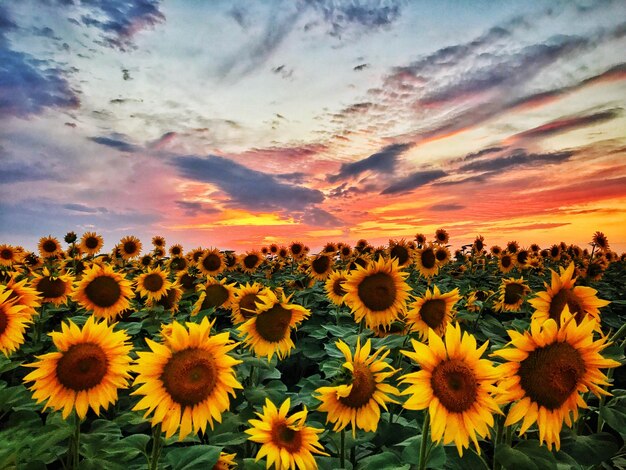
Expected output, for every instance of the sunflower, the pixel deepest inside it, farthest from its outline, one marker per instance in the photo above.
(580, 300)
(274, 249)
(506, 262)
(334, 287)
(250, 261)
(441, 236)
(14, 319)
(225, 462)
(244, 303)
(91, 243)
(53, 289)
(320, 267)
(20, 293)
(456, 386)
(400, 251)
(512, 294)
(473, 297)
(103, 291)
(358, 401)
(186, 280)
(547, 372)
(176, 250)
(522, 257)
(426, 261)
(170, 300)
(495, 250)
(213, 294)
(186, 381)
(49, 247)
(479, 244)
(601, 241)
(269, 331)
(442, 255)
(377, 293)
(211, 263)
(345, 252)
(129, 247)
(145, 261)
(297, 250)
(91, 364)
(153, 284)
(283, 252)
(158, 241)
(286, 442)
(9, 255)
(265, 251)
(555, 252)
(512, 247)
(177, 263)
(433, 310)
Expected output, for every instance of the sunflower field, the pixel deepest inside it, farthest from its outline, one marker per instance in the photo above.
(403, 356)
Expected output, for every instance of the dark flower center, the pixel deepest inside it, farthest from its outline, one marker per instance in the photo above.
(247, 305)
(91, 243)
(455, 385)
(153, 282)
(513, 293)
(130, 248)
(250, 261)
(4, 320)
(400, 253)
(190, 376)
(273, 324)
(377, 291)
(338, 288)
(433, 312)
(6, 253)
(216, 295)
(320, 264)
(428, 258)
(506, 261)
(82, 366)
(50, 246)
(565, 297)
(212, 262)
(286, 438)
(549, 375)
(103, 291)
(363, 387)
(51, 288)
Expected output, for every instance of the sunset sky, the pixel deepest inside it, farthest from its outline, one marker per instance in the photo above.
(239, 124)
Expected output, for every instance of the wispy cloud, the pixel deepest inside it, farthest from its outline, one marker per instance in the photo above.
(414, 181)
(117, 144)
(382, 162)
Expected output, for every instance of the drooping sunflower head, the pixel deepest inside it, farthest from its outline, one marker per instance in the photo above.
(547, 371)
(9, 255)
(269, 331)
(91, 243)
(455, 385)
(512, 294)
(214, 294)
(103, 291)
(476, 296)
(186, 381)
(91, 364)
(129, 247)
(377, 293)
(601, 241)
(286, 441)
(244, 306)
(250, 261)
(153, 284)
(433, 310)
(358, 401)
(53, 289)
(14, 320)
(334, 287)
(479, 244)
(580, 300)
(211, 263)
(441, 236)
(426, 261)
(49, 247)
(320, 267)
(506, 262)
(400, 251)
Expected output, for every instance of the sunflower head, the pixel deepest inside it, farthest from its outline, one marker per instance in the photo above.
(320, 267)
(103, 291)
(9, 255)
(250, 261)
(512, 247)
(244, 305)
(153, 284)
(426, 261)
(433, 310)
(211, 262)
(479, 244)
(512, 294)
(506, 262)
(441, 236)
(52, 288)
(400, 251)
(49, 247)
(214, 294)
(334, 287)
(14, 319)
(91, 243)
(601, 241)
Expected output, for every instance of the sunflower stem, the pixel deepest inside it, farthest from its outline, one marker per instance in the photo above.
(156, 447)
(342, 450)
(75, 443)
(609, 376)
(617, 335)
(424, 444)
(498, 441)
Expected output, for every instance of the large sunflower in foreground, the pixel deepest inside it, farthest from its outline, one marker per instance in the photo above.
(580, 300)
(286, 441)
(91, 364)
(52, 288)
(456, 386)
(433, 310)
(548, 370)
(91, 243)
(269, 331)
(358, 402)
(426, 261)
(185, 382)
(14, 320)
(512, 294)
(244, 303)
(377, 293)
(153, 284)
(103, 291)
(334, 287)
(213, 294)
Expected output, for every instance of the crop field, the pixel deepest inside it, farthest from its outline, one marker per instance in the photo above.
(411, 355)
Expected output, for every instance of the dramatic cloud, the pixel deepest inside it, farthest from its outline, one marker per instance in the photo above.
(320, 218)
(193, 208)
(115, 143)
(366, 14)
(414, 181)
(380, 162)
(517, 159)
(247, 188)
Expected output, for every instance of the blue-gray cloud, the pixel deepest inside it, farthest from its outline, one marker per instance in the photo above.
(362, 14)
(193, 208)
(117, 144)
(320, 218)
(247, 188)
(414, 181)
(517, 159)
(383, 161)
(18, 172)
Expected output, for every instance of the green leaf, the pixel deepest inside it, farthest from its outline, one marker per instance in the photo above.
(590, 450)
(527, 455)
(229, 439)
(383, 461)
(470, 460)
(250, 464)
(614, 414)
(411, 453)
(198, 457)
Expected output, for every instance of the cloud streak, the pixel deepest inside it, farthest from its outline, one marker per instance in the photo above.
(382, 162)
